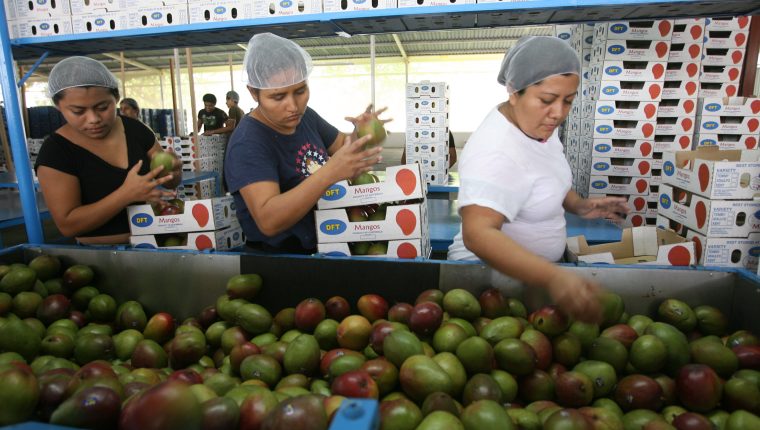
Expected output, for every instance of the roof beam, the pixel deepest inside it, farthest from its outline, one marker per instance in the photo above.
(131, 62)
(400, 46)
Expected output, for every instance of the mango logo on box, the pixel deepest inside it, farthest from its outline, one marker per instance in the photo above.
(606, 110)
(156, 15)
(336, 192)
(610, 90)
(219, 10)
(564, 36)
(613, 70)
(236, 236)
(668, 168)
(604, 129)
(708, 142)
(757, 215)
(665, 201)
(710, 125)
(359, 1)
(602, 166)
(333, 227)
(286, 3)
(599, 185)
(603, 147)
(755, 251)
(44, 26)
(41, 2)
(618, 28)
(616, 49)
(100, 21)
(142, 220)
(713, 107)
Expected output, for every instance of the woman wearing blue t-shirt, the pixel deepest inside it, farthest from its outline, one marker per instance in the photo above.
(283, 155)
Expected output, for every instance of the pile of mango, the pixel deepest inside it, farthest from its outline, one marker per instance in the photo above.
(70, 355)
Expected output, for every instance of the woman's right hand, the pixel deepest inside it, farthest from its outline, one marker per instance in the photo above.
(143, 188)
(351, 159)
(575, 295)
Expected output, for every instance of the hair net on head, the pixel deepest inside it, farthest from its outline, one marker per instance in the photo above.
(535, 58)
(274, 62)
(79, 72)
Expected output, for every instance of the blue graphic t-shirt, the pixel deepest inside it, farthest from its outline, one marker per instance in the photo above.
(256, 153)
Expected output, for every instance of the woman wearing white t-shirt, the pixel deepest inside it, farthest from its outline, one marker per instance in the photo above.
(515, 180)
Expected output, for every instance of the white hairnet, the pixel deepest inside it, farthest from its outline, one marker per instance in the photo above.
(535, 58)
(274, 62)
(80, 72)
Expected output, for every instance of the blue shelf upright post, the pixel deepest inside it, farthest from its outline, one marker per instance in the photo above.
(16, 136)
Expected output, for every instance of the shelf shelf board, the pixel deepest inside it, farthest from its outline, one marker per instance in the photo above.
(482, 15)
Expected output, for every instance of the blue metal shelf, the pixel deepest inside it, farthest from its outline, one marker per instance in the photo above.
(483, 15)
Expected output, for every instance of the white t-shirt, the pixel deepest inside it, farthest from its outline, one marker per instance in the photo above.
(525, 180)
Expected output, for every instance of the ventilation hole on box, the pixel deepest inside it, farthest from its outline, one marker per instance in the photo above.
(301, 6)
(89, 26)
(736, 256)
(86, 2)
(234, 13)
(741, 218)
(52, 4)
(169, 18)
(343, 4)
(144, 20)
(375, 3)
(207, 15)
(229, 243)
(113, 25)
(34, 30)
(55, 28)
(744, 180)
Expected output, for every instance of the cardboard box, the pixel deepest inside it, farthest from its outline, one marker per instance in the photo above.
(672, 142)
(682, 71)
(730, 106)
(427, 89)
(629, 90)
(433, 119)
(729, 124)
(633, 50)
(726, 38)
(637, 220)
(721, 74)
(639, 245)
(220, 11)
(627, 110)
(199, 215)
(636, 204)
(715, 218)
(718, 89)
(80, 7)
(685, 52)
(220, 240)
(726, 252)
(352, 5)
(406, 249)
(728, 23)
(262, 9)
(639, 167)
(727, 141)
(620, 129)
(622, 148)
(98, 22)
(37, 10)
(427, 135)
(680, 89)
(22, 28)
(679, 107)
(618, 185)
(722, 56)
(564, 31)
(688, 30)
(401, 183)
(713, 173)
(426, 105)
(401, 222)
(158, 16)
(659, 29)
(675, 125)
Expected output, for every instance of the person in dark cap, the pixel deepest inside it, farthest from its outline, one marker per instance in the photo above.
(235, 113)
(98, 163)
(516, 182)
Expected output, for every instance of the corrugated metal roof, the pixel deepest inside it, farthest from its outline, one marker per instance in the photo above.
(420, 43)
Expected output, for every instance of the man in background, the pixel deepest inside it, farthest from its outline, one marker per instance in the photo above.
(235, 113)
(128, 107)
(212, 119)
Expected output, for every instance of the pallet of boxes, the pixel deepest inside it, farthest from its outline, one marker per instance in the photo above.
(205, 154)
(373, 217)
(427, 129)
(711, 195)
(619, 112)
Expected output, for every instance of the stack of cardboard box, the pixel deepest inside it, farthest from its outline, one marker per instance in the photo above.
(723, 55)
(386, 218)
(708, 197)
(427, 129)
(204, 154)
